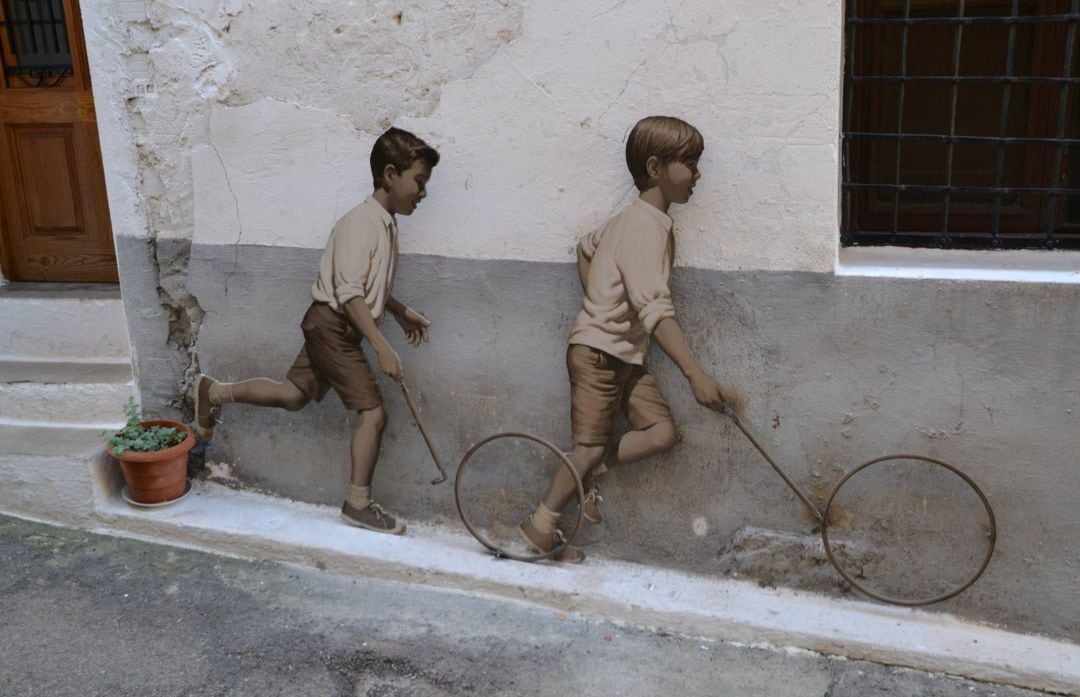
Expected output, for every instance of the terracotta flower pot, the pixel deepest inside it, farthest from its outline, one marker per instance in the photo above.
(160, 475)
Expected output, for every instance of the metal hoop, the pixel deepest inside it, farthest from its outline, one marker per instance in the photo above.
(898, 601)
(475, 531)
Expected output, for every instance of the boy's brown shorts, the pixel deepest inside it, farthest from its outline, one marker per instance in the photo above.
(601, 385)
(332, 357)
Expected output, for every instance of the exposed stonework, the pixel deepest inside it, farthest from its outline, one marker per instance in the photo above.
(369, 64)
(776, 558)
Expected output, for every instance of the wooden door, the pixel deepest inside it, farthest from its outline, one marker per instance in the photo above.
(55, 222)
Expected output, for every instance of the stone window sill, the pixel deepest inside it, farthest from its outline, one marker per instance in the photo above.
(1019, 266)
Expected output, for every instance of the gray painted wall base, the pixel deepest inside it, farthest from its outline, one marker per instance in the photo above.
(837, 370)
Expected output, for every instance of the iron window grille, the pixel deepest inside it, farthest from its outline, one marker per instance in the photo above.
(36, 50)
(961, 124)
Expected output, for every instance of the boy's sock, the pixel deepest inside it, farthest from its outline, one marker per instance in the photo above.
(544, 519)
(220, 392)
(359, 496)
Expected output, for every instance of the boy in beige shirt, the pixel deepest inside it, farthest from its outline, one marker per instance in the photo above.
(350, 295)
(625, 270)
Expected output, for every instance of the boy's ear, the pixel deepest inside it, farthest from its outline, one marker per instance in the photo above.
(652, 166)
(389, 174)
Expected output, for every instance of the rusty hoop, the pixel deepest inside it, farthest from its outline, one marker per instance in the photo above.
(495, 549)
(898, 601)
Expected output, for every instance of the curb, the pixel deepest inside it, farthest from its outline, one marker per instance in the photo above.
(246, 524)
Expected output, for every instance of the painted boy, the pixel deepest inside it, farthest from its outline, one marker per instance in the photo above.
(350, 295)
(625, 270)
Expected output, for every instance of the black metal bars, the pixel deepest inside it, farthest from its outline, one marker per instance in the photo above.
(37, 38)
(1012, 19)
(890, 108)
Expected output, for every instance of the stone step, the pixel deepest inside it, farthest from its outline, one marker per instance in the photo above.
(49, 439)
(61, 321)
(64, 403)
(20, 370)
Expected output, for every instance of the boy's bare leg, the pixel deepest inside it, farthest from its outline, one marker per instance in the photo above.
(539, 528)
(359, 509)
(638, 445)
(211, 394)
(562, 489)
(261, 392)
(366, 441)
(633, 446)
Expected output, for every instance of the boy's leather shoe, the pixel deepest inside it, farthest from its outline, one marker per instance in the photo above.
(372, 517)
(206, 413)
(546, 541)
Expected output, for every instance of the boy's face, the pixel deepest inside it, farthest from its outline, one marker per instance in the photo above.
(407, 188)
(676, 180)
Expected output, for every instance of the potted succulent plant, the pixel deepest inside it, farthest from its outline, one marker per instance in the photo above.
(153, 456)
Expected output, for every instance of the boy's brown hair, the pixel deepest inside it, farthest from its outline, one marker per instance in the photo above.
(666, 137)
(401, 149)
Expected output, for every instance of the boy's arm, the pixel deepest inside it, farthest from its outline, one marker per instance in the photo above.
(359, 315)
(645, 263)
(706, 390)
(394, 306)
(585, 250)
(412, 322)
(582, 266)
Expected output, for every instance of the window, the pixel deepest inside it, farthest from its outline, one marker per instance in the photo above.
(962, 124)
(34, 45)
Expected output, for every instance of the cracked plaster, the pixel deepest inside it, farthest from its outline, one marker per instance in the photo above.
(347, 58)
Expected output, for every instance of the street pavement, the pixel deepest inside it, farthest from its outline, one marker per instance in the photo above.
(86, 615)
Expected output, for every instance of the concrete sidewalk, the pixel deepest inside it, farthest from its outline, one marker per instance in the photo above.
(247, 524)
(87, 615)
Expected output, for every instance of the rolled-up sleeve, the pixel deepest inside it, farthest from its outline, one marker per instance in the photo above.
(354, 247)
(644, 261)
(588, 243)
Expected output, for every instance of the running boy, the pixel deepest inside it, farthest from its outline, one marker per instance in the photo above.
(356, 277)
(625, 269)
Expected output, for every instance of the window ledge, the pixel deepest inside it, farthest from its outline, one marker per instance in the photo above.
(1020, 266)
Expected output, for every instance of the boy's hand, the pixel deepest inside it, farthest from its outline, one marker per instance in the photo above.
(414, 325)
(708, 393)
(733, 397)
(389, 362)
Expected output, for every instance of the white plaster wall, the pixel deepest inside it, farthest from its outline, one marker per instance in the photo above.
(111, 31)
(262, 114)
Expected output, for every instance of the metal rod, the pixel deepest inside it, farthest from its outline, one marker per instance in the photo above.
(999, 176)
(475, 530)
(908, 602)
(846, 223)
(30, 22)
(424, 432)
(900, 115)
(733, 415)
(52, 20)
(1019, 19)
(952, 127)
(973, 79)
(964, 240)
(941, 137)
(1063, 107)
(931, 188)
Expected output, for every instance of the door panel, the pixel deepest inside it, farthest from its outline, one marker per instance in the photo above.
(55, 222)
(47, 179)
